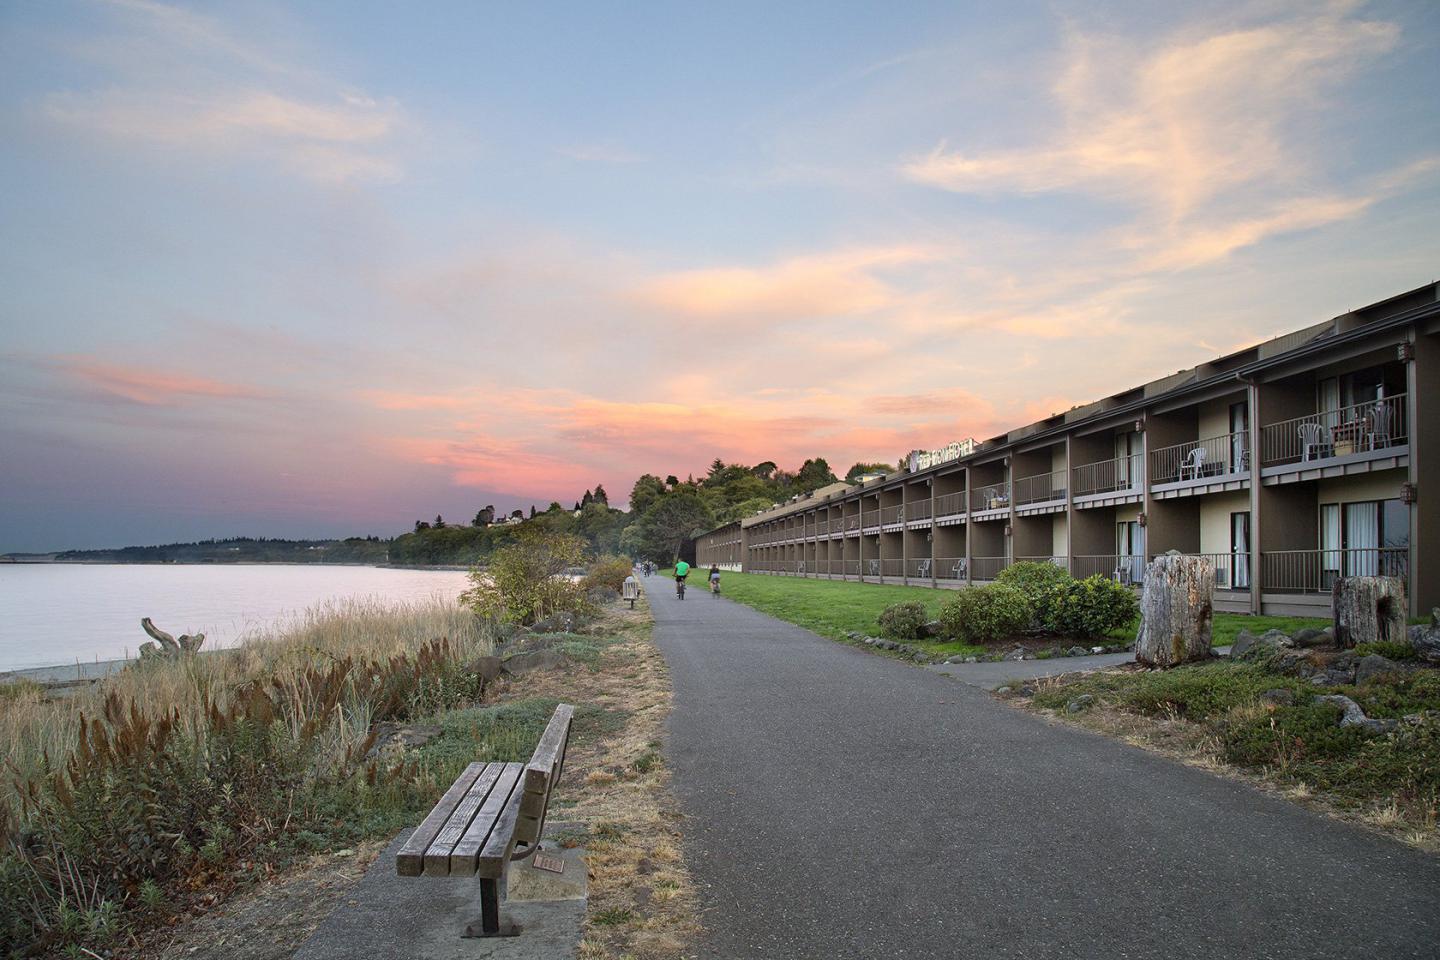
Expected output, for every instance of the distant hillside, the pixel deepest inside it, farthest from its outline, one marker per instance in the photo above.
(237, 550)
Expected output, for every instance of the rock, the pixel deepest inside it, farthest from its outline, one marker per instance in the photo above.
(1425, 638)
(955, 659)
(1097, 649)
(391, 735)
(1322, 680)
(1083, 702)
(1310, 637)
(529, 661)
(1244, 640)
(932, 629)
(854, 635)
(1372, 666)
(1280, 696)
(1017, 654)
(1004, 690)
(1247, 646)
(972, 659)
(1351, 716)
(487, 668)
(1026, 691)
(1076, 651)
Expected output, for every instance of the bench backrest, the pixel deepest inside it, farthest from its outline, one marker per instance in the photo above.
(541, 775)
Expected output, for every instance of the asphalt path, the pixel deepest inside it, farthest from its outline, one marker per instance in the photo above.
(843, 804)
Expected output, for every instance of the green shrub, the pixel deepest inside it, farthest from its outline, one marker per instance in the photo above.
(1087, 608)
(1033, 577)
(1389, 649)
(903, 621)
(607, 573)
(985, 614)
(526, 580)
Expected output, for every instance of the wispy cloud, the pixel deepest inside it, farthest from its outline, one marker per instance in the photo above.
(222, 96)
(152, 387)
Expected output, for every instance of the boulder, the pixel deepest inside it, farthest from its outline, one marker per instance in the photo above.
(1247, 646)
(932, 629)
(398, 736)
(1076, 651)
(1353, 716)
(1310, 637)
(1372, 666)
(562, 622)
(1081, 703)
(1017, 654)
(1425, 638)
(487, 668)
(529, 661)
(1280, 697)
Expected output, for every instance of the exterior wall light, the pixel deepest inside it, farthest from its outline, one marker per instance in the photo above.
(1141, 519)
(1408, 493)
(1405, 351)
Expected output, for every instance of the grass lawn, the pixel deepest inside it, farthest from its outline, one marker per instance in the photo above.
(833, 608)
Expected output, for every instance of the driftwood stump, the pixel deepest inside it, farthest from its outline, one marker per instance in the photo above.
(1176, 609)
(1369, 609)
(169, 648)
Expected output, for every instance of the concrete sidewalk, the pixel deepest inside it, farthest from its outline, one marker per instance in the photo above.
(993, 675)
(841, 804)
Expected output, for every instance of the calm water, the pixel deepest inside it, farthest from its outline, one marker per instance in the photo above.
(61, 613)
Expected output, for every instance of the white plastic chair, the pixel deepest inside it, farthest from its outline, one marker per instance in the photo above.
(1194, 463)
(1380, 417)
(1315, 441)
(922, 569)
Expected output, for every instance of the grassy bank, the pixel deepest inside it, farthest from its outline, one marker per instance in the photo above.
(833, 608)
(1249, 720)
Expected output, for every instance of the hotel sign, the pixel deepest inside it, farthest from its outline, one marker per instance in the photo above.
(922, 459)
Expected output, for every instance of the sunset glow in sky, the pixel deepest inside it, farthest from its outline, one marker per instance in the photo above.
(327, 268)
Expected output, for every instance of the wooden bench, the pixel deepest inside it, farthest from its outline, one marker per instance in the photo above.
(493, 814)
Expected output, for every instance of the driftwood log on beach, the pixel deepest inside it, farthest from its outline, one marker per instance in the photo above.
(169, 647)
(1176, 611)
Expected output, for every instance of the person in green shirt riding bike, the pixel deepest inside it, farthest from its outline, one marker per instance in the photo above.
(682, 570)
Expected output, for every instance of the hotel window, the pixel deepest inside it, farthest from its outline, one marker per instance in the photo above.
(1127, 460)
(1130, 550)
(1364, 539)
(1239, 437)
(1239, 551)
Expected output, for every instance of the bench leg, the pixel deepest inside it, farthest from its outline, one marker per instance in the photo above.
(490, 925)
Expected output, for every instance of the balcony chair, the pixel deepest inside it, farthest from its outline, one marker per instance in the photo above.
(958, 569)
(1316, 441)
(1380, 418)
(1194, 464)
(922, 569)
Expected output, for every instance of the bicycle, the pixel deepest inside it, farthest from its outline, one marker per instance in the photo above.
(715, 587)
(680, 588)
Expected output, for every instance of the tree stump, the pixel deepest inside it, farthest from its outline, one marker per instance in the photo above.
(1176, 610)
(1369, 609)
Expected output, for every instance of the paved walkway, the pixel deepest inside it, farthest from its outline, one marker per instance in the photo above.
(843, 804)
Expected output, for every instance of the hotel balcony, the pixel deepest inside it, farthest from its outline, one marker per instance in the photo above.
(950, 508)
(950, 569)
(1315, 571)
(1211, 465)
(1108, 482)
(1043, 493)
(1120, 567)
(990, 501)
(1359, 438)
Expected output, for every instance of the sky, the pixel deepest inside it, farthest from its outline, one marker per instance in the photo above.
(328, 268)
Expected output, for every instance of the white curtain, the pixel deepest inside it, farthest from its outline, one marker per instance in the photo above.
(1240, 549)
(1329, 401)
(1330, 539)
(1362, 534)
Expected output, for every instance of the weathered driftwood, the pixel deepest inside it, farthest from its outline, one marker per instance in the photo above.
(1176, 609)
(169, 646)
(1369, 609)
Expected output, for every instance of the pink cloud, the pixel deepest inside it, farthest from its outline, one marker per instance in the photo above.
(151, 387)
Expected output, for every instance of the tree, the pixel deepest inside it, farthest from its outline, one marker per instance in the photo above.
(764, 470)
(600, 495)
(860, 469)
(588, 499)
(485, 516)
(532, 512)
(716, 468)
(672, 481)
(421, 525)
(646, 490)
(439, 522)
(814, 474)
(669, 522)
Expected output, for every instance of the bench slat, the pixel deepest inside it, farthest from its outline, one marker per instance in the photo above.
(551, 748)
(488, 822)
(410, 861)
(496, 854)
(437, 857)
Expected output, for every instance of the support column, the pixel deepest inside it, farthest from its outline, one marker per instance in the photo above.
(1252, 400)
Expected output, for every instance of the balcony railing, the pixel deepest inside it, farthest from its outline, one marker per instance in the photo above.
(1232, 570)
(895, 514)
(852, 522)
(1211, 457)
(1108, 476)
(920, 568)
(892, 568)
(1360, 427)
(990, 496)
(950, 504)
(1040, 488)
(1315, 571)
(917, 510)
(852, 568)
(987, 568)
(949, 568)
(1121, 567)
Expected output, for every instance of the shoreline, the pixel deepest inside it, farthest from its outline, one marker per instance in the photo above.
(234, 563)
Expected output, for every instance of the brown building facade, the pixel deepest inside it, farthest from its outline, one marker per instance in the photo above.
(1308, 457)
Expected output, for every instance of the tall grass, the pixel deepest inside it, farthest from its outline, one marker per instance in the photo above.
(160, 778)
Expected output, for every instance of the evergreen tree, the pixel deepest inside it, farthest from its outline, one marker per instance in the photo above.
(600, 495)
(439, 522)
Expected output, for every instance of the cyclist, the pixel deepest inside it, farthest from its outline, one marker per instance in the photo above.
(682, 570)
(714, 578)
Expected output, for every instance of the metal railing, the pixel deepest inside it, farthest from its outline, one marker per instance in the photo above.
(990, 496)
(950, 568)
(1232, 570)
(950, 504)
(1108, 476)
(852, 568)
(919, 568)
(852, 522)
(1360, 427)
(1315, 571)
(892, 568)
(895, 514)
(987, 568)
(1040, 488)
(1060, 562)
(917, 510)
(1196, 459)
